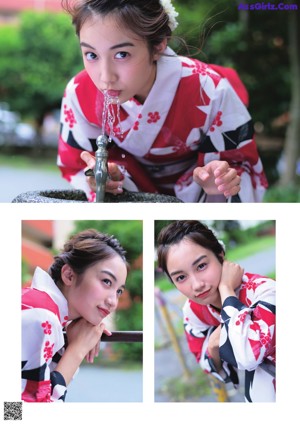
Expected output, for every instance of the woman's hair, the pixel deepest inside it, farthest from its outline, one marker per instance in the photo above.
(146, 18)
(194, 231)
(84, 250)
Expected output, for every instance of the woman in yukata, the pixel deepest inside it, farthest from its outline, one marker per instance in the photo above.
(229, 317)
(62, 313)
(178, 126)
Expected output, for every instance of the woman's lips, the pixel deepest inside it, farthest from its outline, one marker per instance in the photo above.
(203, 295)
(113, 93)
(104, 311)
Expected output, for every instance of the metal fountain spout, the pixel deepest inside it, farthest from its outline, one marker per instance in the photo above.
(101, 171)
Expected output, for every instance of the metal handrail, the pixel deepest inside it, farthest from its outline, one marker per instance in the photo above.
(124, 336)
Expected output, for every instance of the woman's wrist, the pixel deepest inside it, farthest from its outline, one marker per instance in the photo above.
(69, 363)
(225, 291)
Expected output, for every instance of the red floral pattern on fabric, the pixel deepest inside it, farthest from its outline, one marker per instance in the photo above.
(69, 116)
(136, 126)
(66, 319)
(241, 318)
(200, 68)
(48, 349)
(153, 117)
(217, 122)
(47, 327)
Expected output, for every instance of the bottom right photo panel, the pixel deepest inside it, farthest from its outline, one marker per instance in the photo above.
(215, 302)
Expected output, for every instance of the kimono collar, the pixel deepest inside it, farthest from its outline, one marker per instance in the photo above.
(145, 121)
(42, 281)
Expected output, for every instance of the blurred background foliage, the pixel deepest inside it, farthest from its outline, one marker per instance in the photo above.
(40, 53)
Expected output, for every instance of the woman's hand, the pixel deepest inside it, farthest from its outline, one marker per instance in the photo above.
(95, 351)
(231, 279)
(83, 337)
(213, 347)
(114, 182)
(217, 178)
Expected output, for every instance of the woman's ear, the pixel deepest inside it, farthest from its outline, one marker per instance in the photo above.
(159, 49)
(221, 257)
(67, 275)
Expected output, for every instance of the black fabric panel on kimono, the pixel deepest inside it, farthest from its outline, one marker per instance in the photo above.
(249, 376)
(233, 302)
(235, 199)
(226, 352)
(231, 138)
(206, 146)
(93, 143)
(36, 374)
(271, 308)
(57, 357)
(202, 196)
(56, 378)
(204, 333)
(233, 375)
(72, 142)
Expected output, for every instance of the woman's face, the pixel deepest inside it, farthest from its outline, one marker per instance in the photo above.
(195, 271)
(116, 59)
(95, 294)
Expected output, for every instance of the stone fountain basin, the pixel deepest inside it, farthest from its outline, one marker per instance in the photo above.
(78, 196)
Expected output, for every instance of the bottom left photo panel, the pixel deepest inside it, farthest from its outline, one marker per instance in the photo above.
(82, 311)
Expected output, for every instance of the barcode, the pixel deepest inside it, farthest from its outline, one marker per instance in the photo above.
(12, 410)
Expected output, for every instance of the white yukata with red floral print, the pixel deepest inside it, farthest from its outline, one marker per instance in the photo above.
(247, 340)
(192, 116)
(44, 315)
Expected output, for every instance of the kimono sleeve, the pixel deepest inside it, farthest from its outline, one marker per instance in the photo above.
(77, 134)
(229, 136)
(42, 339)
(248, 332)
(197, 334)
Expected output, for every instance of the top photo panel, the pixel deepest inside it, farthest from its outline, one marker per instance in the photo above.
(156, 102)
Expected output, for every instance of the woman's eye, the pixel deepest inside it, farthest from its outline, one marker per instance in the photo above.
(180, 278)
(122, 55)
(202, 266)
(120, 292)
(107, 282)
(90, 56)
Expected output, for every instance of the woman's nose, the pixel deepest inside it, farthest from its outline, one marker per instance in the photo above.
(112, 300)
(197, 284)
(107, 73)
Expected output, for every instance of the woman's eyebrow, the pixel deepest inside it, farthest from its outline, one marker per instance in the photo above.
(193, 264)
(105, 271)
(117, 46)
(199, 259)
(83, 44)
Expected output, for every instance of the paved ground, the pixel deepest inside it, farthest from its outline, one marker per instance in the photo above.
(16, 181)
(102, 384)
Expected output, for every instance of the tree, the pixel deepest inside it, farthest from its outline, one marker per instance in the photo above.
(292, 141)
(38, 57)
